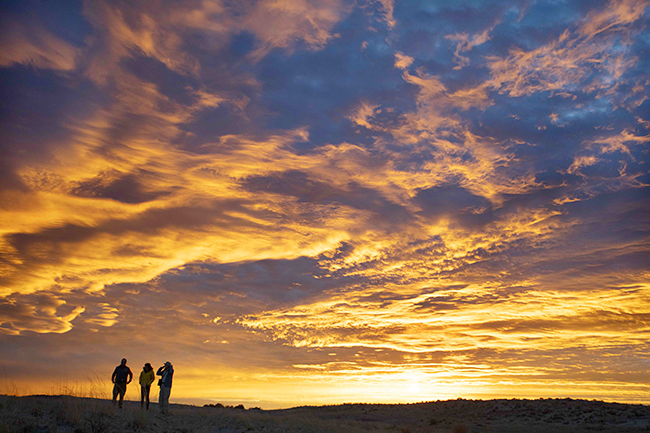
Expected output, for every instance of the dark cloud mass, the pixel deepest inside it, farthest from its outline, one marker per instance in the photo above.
(304, 202)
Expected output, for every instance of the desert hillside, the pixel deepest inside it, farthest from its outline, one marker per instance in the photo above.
(64, 414)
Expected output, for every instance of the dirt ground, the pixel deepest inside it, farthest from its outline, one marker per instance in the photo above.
(64, 414)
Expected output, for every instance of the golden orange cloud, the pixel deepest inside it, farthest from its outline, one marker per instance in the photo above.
(429, 257)
(20, 44)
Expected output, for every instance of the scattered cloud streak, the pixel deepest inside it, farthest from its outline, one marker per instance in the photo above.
(28, 44)
(296, 195)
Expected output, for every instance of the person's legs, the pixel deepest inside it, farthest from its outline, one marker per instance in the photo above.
(115, 392)
(164, 399)
(147, 390)
(142, 390)
(122, 391)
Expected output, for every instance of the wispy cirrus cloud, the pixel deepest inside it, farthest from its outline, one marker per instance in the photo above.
(567, 64)
(466, 43)
(31, 45)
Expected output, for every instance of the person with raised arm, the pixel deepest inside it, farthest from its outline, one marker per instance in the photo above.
(166, 372)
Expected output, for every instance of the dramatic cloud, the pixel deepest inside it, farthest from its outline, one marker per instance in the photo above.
(320, 201)
(31, 45)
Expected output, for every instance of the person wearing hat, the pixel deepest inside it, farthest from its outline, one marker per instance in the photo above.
(121, 377)
(166, 372)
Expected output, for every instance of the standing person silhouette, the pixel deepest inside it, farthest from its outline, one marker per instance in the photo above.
(146, 379)
(165, 382)
(121, 377)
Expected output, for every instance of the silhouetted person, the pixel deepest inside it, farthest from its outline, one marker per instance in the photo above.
(121, 377)
(146, 379)
(165, 382)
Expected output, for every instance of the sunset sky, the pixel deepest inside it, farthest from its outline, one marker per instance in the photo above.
(326, 201)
